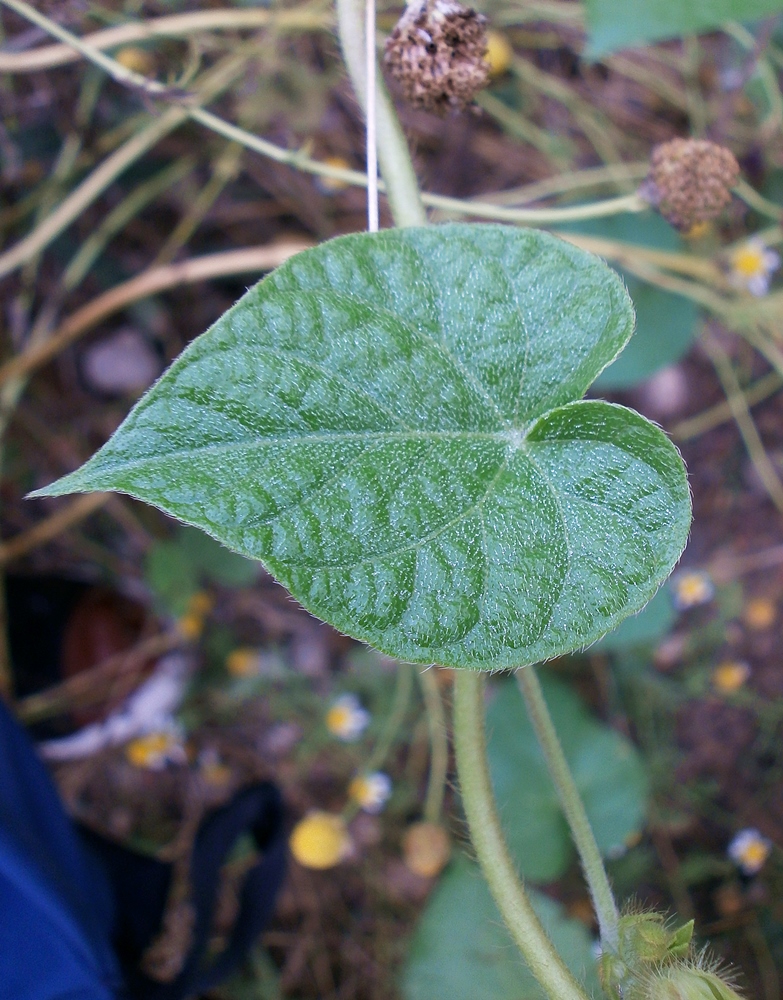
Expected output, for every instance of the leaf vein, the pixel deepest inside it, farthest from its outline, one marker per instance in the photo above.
(413, 546)
(441, 345)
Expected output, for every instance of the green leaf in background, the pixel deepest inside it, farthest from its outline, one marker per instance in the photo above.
(257, 979)
(651, 624)
(665, 323)
(390, 423)
(607, 770)
(176, 568)
(462, 951)
(619, 24)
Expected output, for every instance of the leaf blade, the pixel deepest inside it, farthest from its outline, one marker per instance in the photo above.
(614, 25)
(364, 420)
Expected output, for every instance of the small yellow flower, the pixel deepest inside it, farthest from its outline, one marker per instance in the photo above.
(730, 676)
(136, 59)
(749, 850)
(346, 719)
(201, 603)
(190, 626)
(426, 849)
(154, 751)
(499, 54)
(371, 791)
(692, 588)
(751, 266)
(212, 769)
(332, 184)
(759, 613)
(320, 840)
(699, 230)
(243, 662)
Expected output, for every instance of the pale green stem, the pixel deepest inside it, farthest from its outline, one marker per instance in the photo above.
(118, 217)
(402, 695)
(116, 70)
(541, 216)
(745, 423)
(573, 808)
(439, 744)
(402, 188)
(758, 202)
(490, 844)
(393, 155)
(173, 26)
(224, 170)
(215, 81)
(478, 209)
(696, 108)
(557, 148)
(714, 416)
(613, 173)
(391, 728)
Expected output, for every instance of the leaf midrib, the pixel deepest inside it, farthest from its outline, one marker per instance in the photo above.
(500, 437)
(468, 512)
(419, 332)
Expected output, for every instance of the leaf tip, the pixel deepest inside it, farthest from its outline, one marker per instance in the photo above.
(62, 487)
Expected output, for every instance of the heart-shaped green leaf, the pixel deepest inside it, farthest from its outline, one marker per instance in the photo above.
(388, 423)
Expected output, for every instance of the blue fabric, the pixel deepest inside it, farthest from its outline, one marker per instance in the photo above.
(58, 893)
(55, 905)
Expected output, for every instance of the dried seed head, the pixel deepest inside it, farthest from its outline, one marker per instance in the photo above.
(690, 180)
(436, 54)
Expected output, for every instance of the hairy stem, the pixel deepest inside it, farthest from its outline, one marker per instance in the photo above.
(490, 844)
(402, 697)
(390, 731)
(439, 744)
(573, 808)
(401, 185)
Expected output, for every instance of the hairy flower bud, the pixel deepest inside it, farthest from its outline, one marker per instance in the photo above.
(436, 55)
(690, 180)
(688, 982)
(645, 942)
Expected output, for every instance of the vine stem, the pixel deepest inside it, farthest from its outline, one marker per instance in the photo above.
(401, 184)
(573, 808)
(170, 26)
(439, 744)
(390, 731)
(490, 844)
(402, 696)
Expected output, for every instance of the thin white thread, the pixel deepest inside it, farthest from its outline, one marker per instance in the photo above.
(372, 142)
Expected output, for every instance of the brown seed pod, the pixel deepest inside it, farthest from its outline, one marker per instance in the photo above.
(690, 180)
(436, 55)
(426, 848)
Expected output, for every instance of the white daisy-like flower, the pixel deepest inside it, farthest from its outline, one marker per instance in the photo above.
(752, 265)
(692, 588)
(749, 850)
(346, 719)
(156, 749)
(371, 791)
